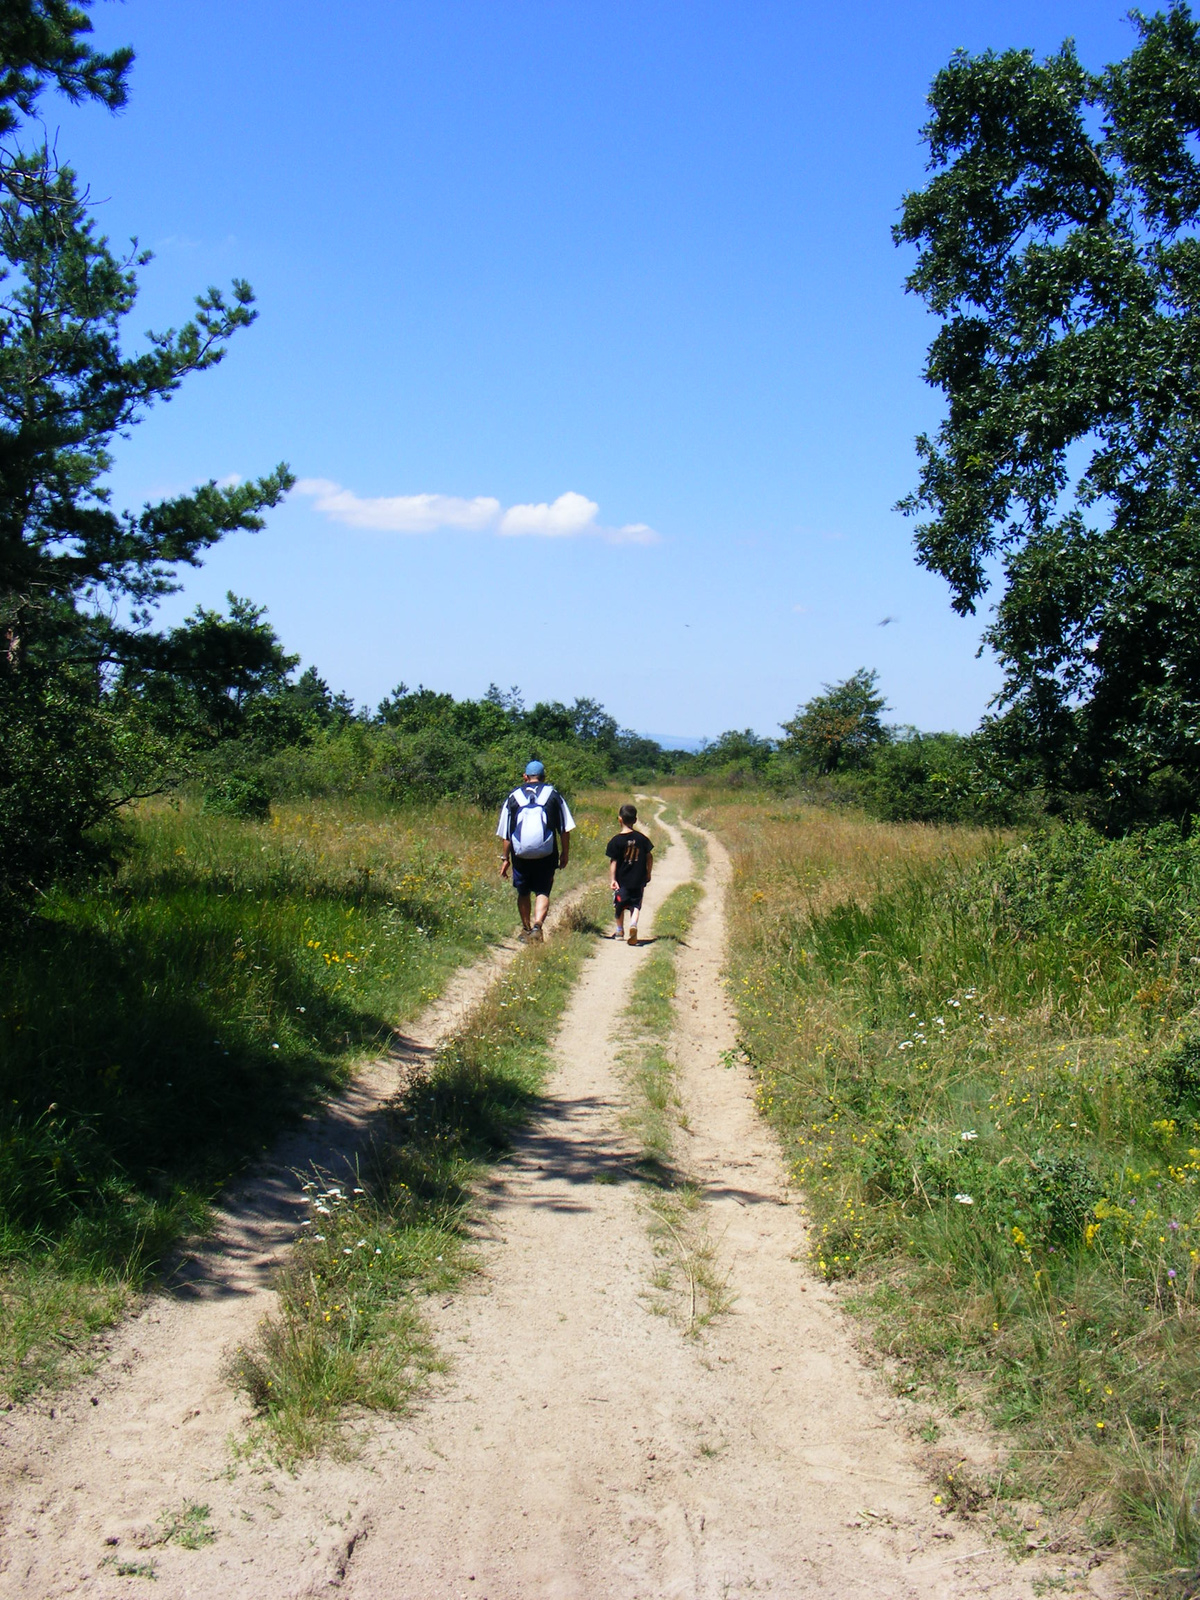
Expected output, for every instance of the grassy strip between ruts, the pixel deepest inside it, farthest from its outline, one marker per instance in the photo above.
(686, 1280)
(348, 1335)
(983, 1061)
(692, 837)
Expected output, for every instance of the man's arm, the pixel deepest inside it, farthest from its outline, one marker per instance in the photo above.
(566, 823)
(504, 834)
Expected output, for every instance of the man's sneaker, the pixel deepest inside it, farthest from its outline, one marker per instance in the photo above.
(535, 932)
(525, 935)
(633, 936)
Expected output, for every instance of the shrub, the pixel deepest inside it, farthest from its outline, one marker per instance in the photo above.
(1134, 894)
(242, 794)
(934, 777)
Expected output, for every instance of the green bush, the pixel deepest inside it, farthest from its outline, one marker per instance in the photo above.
(242, 794)
(56, 756)
(933, 777)
(68, 759)
(1133, 894)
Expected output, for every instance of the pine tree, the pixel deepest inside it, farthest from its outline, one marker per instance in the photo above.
(78, 578)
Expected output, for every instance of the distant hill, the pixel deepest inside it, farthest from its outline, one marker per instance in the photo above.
(676, 741)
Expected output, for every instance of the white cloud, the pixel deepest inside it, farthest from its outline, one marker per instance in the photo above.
(631, 533)
(564, 518)
(568, 517)
(399, 513)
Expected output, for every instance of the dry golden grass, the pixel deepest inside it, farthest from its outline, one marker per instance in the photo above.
(793, 858)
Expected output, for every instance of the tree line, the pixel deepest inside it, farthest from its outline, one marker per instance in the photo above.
(247, 731)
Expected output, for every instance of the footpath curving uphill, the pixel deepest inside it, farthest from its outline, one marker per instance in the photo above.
(579, 1447)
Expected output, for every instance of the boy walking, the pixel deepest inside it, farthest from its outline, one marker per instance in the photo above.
(629, 853)
(533, 821)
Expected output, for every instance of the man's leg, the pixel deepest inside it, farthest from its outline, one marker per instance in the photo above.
(523, 908)
(541, 909)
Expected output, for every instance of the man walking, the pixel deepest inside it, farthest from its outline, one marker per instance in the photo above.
(535, 826)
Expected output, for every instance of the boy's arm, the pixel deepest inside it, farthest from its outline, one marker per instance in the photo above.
(649, 862)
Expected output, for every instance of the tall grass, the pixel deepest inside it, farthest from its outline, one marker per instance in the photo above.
(158, 1028)
(981, 1057)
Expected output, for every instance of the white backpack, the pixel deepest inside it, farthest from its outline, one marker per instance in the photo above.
(531, 834)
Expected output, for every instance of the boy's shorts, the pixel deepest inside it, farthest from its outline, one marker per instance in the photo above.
(628, 899)
(534, 876)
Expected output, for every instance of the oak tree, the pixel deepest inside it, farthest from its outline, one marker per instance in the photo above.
(1057, 240)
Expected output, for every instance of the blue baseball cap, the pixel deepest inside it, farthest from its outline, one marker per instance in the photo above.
(534, 769)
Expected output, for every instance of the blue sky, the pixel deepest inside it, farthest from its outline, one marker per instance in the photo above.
(635, 254)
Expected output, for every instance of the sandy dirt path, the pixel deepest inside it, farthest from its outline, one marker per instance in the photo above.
(580, 1447)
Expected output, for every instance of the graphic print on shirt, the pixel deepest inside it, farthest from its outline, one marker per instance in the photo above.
(630, 853)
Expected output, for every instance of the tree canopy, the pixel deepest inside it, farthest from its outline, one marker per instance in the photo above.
(45, 41)
(840, 728)
(1056, 239)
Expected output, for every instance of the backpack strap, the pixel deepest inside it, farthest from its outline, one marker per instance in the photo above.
(521, 800)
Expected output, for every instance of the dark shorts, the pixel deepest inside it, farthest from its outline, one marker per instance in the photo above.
(533, 877)
(628, 899)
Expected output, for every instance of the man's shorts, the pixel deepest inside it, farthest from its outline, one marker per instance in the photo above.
(628, 899)
(534, 876)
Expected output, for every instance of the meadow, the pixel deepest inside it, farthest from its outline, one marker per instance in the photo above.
(160, 1024)
(980, 1053)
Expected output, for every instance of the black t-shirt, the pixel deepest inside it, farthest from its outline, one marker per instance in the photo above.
(631, 852)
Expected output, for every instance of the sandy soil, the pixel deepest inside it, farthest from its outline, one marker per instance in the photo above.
(580, 1447)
